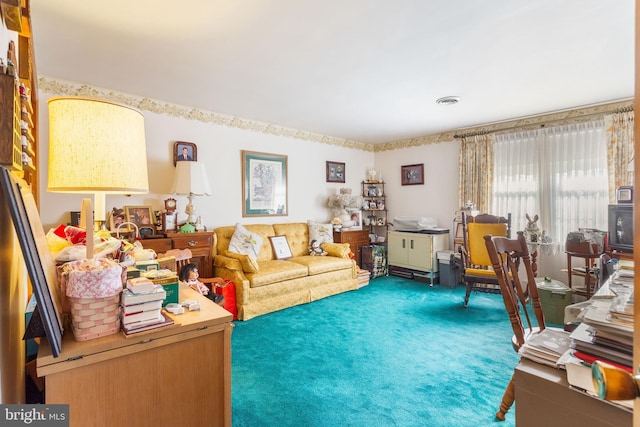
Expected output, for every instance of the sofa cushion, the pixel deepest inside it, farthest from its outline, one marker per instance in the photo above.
(249, 263)
(320, 232)
(245, 242)
(276, 271)
(323, 264)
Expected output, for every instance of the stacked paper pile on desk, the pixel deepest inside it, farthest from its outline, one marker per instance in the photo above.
(546, 347)
(141, 306)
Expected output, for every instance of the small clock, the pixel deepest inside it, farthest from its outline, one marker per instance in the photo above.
(170, 205)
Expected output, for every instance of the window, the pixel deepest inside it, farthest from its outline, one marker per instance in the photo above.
(559, 173)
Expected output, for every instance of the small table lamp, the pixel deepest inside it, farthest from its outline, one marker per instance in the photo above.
(96, 147)
(190, 179)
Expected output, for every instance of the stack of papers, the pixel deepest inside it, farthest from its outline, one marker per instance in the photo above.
(546, 347)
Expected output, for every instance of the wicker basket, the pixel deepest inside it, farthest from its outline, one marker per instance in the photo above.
(94, 317)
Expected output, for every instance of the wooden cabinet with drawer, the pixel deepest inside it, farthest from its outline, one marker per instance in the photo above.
(200, 244)
(356, 239)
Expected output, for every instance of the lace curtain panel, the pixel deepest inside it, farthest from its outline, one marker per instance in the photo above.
(559, 173)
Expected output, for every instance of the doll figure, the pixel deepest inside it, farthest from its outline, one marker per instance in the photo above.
(189, 275)
(316, 249)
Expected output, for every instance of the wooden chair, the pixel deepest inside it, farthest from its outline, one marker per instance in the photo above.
(477, 273)
(513, 268)
(183, 257)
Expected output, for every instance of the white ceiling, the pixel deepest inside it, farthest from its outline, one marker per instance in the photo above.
(366, 70)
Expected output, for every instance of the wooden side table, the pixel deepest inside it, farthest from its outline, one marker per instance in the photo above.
(356, 240)
(589, 253)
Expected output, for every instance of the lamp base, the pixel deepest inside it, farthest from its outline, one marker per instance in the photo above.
(187, 228)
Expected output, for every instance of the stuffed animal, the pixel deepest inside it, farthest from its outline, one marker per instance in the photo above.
(315, 248)
(532, 231)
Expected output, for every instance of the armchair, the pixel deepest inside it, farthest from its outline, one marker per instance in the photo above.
(477, 273)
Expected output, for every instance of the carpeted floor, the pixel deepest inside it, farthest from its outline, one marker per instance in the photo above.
(394, 353)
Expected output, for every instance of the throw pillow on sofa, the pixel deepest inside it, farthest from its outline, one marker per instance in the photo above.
(245, 242)
(249, 263)
(340, 250)
(320, 232)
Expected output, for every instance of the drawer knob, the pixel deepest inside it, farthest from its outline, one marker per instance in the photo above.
(192, 243)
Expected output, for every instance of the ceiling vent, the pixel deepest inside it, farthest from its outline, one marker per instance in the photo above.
(448, 100)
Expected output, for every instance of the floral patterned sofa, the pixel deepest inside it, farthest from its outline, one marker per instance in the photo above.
(266, 284)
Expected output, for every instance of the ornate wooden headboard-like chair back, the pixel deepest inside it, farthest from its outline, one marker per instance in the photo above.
(477, 272)
(513, 268)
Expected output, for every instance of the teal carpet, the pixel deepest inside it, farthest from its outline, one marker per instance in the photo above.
(394, 353)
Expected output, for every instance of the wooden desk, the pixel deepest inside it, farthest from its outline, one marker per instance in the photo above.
(177, 375)
(543, 398)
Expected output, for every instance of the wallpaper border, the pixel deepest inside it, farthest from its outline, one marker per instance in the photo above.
(65, 88)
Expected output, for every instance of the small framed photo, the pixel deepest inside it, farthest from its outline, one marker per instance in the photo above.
(169, 222)
(356, 217)
(184, 152)
(624, 194)
(412, 174)
(117, 216)
(335, 172)
(281, 247)
(142, 216)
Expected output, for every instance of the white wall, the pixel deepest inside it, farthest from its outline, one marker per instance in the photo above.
(438, 197)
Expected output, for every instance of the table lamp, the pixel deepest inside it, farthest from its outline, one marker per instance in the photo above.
(95, 147)
(190, 179)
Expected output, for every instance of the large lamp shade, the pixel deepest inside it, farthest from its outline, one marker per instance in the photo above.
(96, 147)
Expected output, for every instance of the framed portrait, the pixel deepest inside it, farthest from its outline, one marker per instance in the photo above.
(281, 248)
(335, 172)
(184, 151)
(117, 216)
(412, 174)
(264, 184)
(142, 216)
(356, 216)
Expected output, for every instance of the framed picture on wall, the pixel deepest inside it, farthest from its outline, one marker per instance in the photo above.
(412, 174)
(336, 172)
(264, 184)
(184, 152)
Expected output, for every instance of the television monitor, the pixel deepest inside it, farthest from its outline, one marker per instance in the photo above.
(621, 227)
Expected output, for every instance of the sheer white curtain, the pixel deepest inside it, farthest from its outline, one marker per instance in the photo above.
(559, 173)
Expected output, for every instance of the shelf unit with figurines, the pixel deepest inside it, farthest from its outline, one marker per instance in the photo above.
(374, 216)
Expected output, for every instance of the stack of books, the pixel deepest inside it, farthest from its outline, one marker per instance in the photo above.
(141, 306)
(605, 334)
